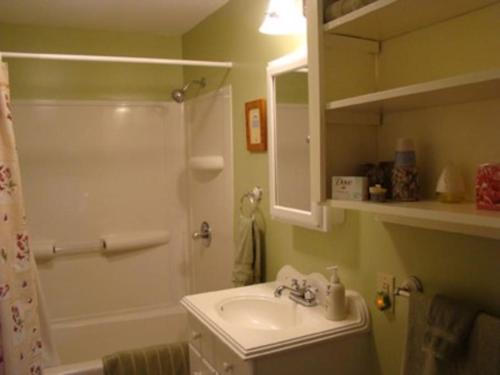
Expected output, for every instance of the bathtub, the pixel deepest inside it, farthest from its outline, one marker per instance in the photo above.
(82, 342)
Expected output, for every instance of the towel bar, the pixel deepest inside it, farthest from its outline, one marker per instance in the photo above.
(410, 285)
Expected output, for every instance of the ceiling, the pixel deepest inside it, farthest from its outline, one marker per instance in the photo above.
(168, 17)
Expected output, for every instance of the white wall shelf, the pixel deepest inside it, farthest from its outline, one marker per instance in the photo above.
(465, 88)
(207, 163)
(386, 19)
(460, 218)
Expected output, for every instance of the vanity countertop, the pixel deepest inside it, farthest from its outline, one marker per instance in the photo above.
(254, 323)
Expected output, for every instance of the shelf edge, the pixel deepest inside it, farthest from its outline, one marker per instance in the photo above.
(415, 89)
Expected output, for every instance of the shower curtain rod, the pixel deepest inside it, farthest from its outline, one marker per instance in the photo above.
(116, 59)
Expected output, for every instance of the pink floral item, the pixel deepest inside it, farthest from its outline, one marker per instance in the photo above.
(488, 187)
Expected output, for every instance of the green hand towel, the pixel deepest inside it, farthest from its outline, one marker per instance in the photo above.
(247, 258)
(171, 359)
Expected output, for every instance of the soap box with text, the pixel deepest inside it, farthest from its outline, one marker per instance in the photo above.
(350, 188)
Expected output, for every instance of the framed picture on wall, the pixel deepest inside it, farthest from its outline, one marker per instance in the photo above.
(256, 125)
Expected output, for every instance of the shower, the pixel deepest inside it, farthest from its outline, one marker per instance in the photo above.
(178, 94)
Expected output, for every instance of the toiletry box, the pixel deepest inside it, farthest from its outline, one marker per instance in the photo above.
(488, 187)
(350, 188)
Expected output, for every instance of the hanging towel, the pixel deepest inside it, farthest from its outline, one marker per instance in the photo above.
(171, 359)
(247, 259)
(413, 358)
(483, 355)
(475, 352)
(448, 326)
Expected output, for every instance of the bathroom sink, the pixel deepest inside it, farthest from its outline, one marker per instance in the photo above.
(254, 322)
(258, 312)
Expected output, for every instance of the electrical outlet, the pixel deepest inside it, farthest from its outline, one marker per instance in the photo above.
(386, 284)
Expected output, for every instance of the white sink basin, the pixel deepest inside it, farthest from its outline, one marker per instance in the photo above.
(253, 322)
(259, 312)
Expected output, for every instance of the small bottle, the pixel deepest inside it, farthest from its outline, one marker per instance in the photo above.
(335, 297)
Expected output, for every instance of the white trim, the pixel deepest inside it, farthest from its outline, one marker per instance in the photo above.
(316, 218)
(116, 59)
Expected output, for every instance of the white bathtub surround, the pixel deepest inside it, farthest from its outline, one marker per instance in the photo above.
(209, 141)
(86, 338)
(92, 168)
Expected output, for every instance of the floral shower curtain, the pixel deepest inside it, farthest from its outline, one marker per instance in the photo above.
(20, 336)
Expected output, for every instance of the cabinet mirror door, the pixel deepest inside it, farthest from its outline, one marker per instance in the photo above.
(289, 143)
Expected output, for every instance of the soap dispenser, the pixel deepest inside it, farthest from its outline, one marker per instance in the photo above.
(335, 297)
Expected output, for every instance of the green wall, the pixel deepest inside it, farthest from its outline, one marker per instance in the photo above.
(42, 79)
(460, 266)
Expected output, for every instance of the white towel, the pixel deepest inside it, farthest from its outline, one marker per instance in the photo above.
(247, 258)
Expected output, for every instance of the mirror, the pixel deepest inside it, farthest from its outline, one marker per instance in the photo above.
(292, 140)
(289, 121)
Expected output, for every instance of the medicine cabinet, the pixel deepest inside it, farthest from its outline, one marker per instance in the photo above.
(294, 178)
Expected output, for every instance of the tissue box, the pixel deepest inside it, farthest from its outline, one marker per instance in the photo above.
(488, 187)
(350, 188)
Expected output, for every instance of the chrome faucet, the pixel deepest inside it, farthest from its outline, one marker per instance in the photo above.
(293, 288)
(301, 293)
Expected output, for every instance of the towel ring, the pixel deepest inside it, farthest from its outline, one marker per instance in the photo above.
(249, 201)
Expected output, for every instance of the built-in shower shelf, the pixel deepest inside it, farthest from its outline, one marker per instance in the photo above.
(207, 163)
(462, 218)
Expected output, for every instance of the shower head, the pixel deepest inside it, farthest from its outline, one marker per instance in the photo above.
(178, 94)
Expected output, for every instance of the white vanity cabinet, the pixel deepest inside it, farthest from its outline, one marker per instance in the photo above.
(209, 355)
(422, 69)
(249, 331)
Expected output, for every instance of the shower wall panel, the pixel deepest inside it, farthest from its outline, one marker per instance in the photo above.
(209, 133)
(96, 168)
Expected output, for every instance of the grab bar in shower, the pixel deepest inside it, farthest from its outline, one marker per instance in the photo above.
(76, 248)
(45, 250)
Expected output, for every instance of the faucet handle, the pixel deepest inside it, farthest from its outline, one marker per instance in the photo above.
(294, 284)
(310, 293)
